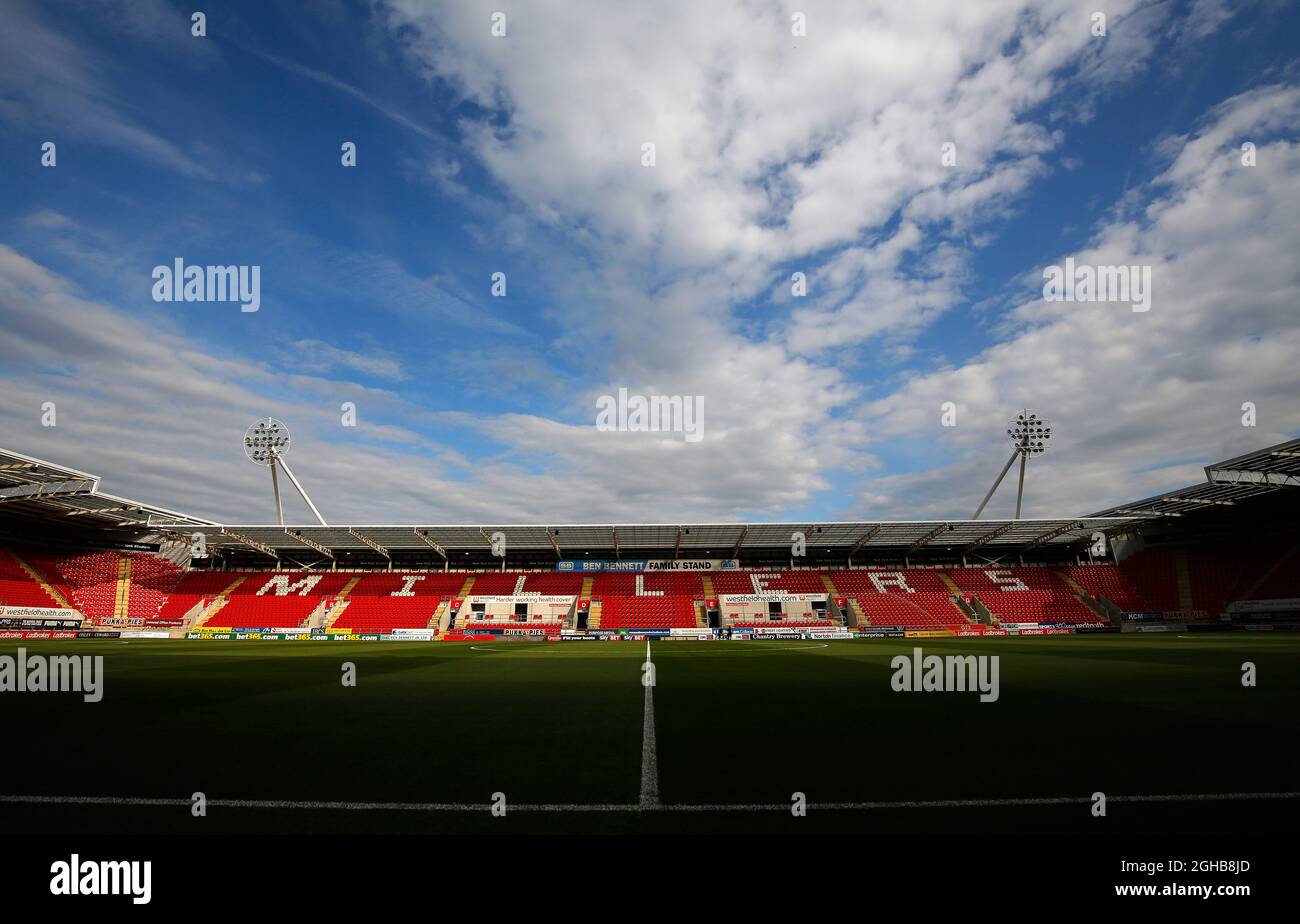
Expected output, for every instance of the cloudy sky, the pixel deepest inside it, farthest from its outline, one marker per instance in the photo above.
(814, 138)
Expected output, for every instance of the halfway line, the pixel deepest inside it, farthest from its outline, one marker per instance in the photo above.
(649, 752)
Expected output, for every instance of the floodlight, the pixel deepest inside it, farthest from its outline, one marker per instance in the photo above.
(1029, 435)
(265, 440)
(265, 443)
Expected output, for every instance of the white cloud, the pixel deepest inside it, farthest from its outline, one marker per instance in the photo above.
(312, 355)
(769, 147)
(820, 154)
(1129, 392)
(160, 415)
(773, 152)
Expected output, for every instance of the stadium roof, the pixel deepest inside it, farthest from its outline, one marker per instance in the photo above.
(687, 540)
(42, 490)
(1261, 472)
(46, 491)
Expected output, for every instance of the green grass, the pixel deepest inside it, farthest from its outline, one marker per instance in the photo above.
(739, 722)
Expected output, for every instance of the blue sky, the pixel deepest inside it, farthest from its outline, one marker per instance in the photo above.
(521, 154)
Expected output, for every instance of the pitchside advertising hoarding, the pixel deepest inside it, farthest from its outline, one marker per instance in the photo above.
(6, 623)
(608, 635)
(1257, 607)
(26, 634)
(804, 632)
(296, 636)
(61, 614)
(37, 622)
(264, 630)
(410, 635)
(530, 634)
(1186, 615)
(587, 566)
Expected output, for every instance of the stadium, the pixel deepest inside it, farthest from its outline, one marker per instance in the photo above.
(847, 448)
(499, 671)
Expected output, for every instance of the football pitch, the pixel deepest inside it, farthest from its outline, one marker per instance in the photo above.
(730, 732)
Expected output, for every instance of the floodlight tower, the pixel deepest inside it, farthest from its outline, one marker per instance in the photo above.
(265, 443)
(1029, 434)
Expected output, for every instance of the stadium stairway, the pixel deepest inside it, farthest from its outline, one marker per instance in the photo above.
(441, 619)
(860, 617)
(950, 584)
(982, 613)
(827, 583)
(973, 616)
(35, 575)
(958, 599)
(1086, 598)
(450, 622)
(218, 604)
(584, 593)
(593, 615)
(122, 598)
(701, 612)
(340, 604)
(441, 616)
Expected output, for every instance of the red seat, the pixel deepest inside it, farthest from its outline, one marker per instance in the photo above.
(1029, 594)
(914, 598)
(625, 611)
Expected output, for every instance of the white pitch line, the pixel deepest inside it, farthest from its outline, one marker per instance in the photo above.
(319, 804)
(637, 807)
(980, 803)
(649, 752)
